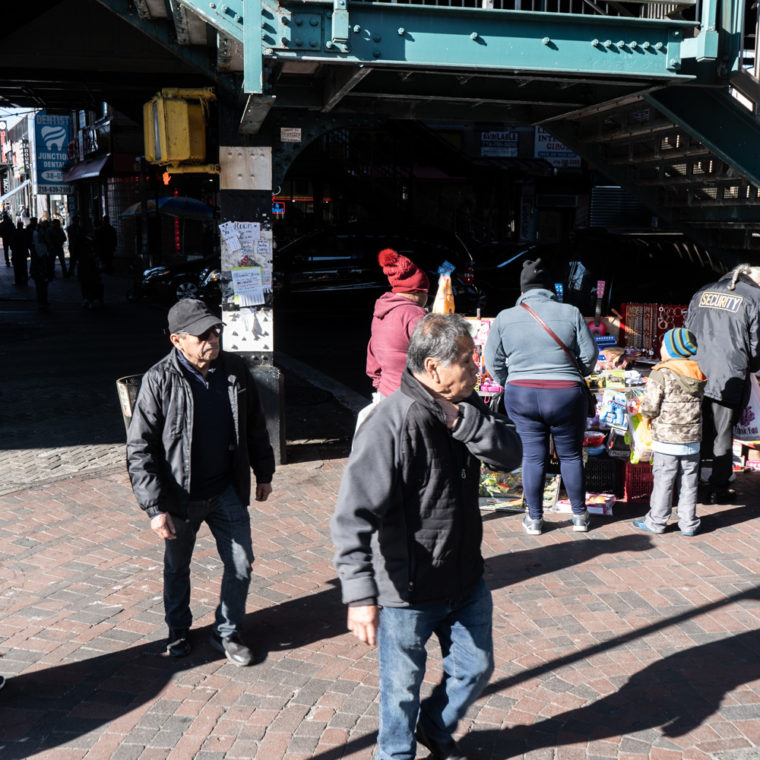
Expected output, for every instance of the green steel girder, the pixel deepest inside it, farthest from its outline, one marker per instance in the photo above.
(160, 33)
(474, 39)
(718, 121)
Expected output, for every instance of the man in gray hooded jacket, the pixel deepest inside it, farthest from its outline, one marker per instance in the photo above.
(407, 530)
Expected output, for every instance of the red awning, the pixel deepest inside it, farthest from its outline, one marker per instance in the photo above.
(87, 169)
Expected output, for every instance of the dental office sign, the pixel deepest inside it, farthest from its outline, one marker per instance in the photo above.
(51, 139)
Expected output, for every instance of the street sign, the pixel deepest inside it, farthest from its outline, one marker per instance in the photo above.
(51, 139)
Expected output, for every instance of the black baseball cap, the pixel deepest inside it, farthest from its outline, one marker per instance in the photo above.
(191, 316)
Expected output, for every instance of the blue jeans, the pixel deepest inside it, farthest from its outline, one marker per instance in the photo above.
(463, 629)
(537, 412)
(230, 525)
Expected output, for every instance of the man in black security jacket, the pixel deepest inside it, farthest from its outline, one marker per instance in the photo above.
(407, 531)
(196, 431)
(725, 317)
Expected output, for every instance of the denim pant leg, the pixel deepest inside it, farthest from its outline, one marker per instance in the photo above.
(177, 555)
(230, 525)
(401, 638)
(687, 493)
(565, 410)
(466, 642)
(664, 473)
(522, 407)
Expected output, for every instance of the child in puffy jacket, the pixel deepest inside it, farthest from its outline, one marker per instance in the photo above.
(673, 401)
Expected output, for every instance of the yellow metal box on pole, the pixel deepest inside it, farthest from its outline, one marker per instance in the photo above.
(174, 127)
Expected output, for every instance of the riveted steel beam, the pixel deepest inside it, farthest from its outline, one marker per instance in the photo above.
(194, 56)
(456, 38)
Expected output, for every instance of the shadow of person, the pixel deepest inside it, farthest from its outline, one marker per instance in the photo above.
(46, 708)
(514, 567)
(674, 696)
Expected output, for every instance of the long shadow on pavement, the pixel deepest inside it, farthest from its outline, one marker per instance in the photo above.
(46, 708)
(668, 698)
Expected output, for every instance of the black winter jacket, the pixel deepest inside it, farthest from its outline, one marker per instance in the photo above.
(727, 325)
(407, 525)
(159, 439)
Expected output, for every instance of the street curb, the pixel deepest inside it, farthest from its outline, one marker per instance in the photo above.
(348, 398)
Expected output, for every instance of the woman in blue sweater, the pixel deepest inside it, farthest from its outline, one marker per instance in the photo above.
(543, 388)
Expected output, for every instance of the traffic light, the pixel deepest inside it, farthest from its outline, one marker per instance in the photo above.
(174, 127)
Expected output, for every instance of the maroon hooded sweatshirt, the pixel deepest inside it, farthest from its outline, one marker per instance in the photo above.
(394, 319)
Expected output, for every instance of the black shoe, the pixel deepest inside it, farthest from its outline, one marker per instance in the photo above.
(178, 644)
(2, 681)
(722, 496)
(439, 750)
(233, 649)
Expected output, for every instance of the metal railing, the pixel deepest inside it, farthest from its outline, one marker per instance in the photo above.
(651, 9)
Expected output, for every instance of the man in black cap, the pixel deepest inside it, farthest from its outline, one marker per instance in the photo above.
(197, 428)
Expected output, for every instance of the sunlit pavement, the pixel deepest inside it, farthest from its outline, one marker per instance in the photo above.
(611, 644)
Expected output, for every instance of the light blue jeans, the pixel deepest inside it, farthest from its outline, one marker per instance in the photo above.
(463, 629)
(230, 525)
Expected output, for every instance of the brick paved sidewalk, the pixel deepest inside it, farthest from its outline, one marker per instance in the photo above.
(612, 644)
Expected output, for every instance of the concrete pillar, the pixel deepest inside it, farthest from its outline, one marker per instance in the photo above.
(246, 249)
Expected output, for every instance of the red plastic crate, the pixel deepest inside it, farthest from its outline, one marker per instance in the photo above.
(637, 482)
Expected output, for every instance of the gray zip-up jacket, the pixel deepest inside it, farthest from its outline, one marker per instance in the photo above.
(160, 435)
(407, 525)
(518, 347)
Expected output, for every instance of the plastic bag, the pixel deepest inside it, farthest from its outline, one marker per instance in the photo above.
(748, 427)
(444, 298)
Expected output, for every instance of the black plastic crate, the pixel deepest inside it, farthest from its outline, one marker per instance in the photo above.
(603, 475)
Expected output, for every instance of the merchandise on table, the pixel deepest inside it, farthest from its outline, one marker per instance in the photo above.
(596, 504)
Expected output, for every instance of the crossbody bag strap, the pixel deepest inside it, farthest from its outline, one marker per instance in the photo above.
(553, 335)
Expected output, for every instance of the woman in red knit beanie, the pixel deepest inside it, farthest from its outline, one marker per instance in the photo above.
(395, 316)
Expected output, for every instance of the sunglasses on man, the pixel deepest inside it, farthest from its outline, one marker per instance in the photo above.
(204, 336)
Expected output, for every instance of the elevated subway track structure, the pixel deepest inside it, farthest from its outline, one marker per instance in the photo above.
(645, 91)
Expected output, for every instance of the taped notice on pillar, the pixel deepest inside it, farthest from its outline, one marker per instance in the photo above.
(247, 284)
(229, 236)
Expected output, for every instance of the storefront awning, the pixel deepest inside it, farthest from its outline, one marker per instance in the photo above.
(15, 190)
(87, 169)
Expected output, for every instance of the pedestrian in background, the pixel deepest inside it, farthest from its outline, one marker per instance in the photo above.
(407, 531)
(39, 267)
(395, 316)
(88, 273)
(55, 237)
(197, 429)
(76, 236)
(544, 389)
(725, 318)
(19, 243)
(6, 235)
(672, 400)
(105, 244)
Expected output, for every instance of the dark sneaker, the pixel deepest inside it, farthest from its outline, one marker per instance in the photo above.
(233, 649)
(722, 496)
(2, 681)
(532, 527)
(439, 750)
(178, 644)
(581, 522)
